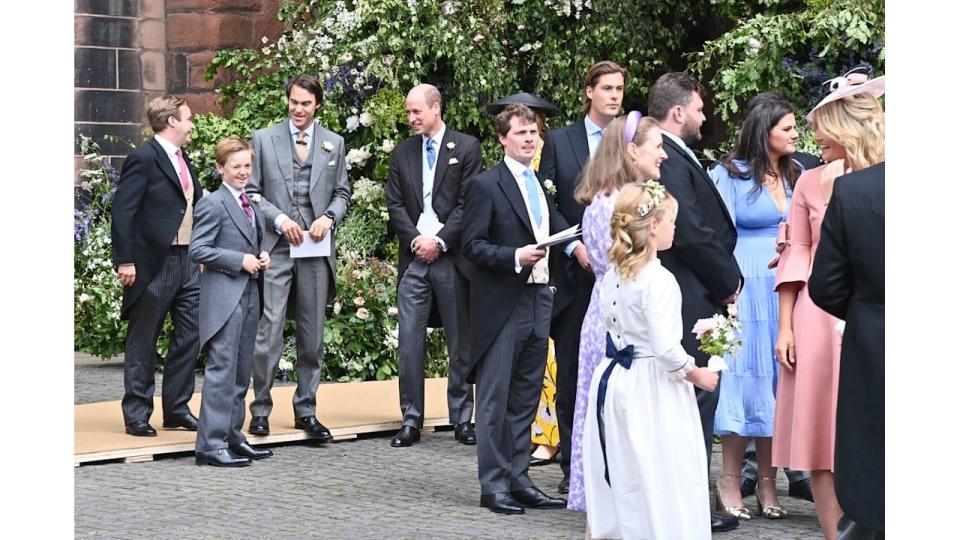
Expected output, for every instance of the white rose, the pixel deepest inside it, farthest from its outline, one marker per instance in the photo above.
(337, 307)
(327, 145)
(366, 119)
(358, 301)
(387, 146)
(363, 314)
(392, 311)
(84, 297)
(353, 123)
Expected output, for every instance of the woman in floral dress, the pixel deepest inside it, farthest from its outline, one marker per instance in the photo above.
(630, 151)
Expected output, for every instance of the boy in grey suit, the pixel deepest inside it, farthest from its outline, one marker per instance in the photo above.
(227, 235)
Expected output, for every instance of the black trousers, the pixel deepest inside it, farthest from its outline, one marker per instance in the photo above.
(174, 290)
(565, 331)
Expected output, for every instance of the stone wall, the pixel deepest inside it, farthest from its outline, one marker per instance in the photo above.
(127, 52)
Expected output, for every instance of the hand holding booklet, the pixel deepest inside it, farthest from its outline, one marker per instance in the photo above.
(310, 247)
(561, 237)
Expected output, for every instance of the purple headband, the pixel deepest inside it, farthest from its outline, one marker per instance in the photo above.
(630, 127)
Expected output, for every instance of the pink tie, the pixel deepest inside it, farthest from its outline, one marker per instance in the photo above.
(184, 175)
(245, 203)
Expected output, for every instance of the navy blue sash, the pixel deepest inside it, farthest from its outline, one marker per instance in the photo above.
(624, 357)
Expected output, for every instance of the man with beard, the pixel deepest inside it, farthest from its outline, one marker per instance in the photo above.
(702, 254)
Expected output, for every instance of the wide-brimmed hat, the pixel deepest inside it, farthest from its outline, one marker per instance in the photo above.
(851, 84)
(528, 99)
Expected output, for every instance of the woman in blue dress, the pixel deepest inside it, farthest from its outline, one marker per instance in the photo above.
(756, 182)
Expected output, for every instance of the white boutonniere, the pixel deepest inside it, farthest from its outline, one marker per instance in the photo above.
(452, 161)
(451, 145)
(327, 145)
(255, 198)
(550, 186)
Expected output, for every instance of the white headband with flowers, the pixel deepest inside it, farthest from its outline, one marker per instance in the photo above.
(657, 192)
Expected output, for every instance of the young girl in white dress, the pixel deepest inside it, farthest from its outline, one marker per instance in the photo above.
(644, 462)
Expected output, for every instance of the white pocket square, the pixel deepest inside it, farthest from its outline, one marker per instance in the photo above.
(452, 161)
(332, 163)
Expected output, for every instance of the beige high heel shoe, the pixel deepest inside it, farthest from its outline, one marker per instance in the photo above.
(738, 512)
(769, 511)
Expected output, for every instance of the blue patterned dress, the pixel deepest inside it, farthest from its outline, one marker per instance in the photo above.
(596, 238)
(748, 388)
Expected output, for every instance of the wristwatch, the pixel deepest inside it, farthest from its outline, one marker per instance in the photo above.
(332, 216)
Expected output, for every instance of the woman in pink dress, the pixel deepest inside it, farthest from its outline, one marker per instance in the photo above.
(849, 129)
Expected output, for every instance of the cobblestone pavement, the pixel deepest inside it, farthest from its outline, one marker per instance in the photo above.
(359, 489)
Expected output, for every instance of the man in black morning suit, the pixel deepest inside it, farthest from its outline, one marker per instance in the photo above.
(506, 214)
(152, 220)
(426, 212)
(847, 281)
(702, 254)
(565, 155)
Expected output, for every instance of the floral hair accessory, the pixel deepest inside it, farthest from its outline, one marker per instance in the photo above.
(630, 127)
(850, 84)
(656, 192)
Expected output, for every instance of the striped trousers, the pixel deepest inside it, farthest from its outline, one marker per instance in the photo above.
(174, 290)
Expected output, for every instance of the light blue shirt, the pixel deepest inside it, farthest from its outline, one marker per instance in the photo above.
(594, 134)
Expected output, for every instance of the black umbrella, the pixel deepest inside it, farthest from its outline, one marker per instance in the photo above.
(530, 100)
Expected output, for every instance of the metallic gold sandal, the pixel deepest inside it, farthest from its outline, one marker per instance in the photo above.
(769, 511)
(738, 512)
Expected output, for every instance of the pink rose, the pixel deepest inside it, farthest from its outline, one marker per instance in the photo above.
(703, 326)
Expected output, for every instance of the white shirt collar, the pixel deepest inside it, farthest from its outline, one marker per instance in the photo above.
(168, 147)
(294, 130)
(438, 138)
(236, 192)
(678, 140)
(515, 166)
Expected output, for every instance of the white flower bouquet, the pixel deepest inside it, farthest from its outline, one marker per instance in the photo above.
(719, 336)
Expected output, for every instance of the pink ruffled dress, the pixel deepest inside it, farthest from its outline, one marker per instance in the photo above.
(805, 418)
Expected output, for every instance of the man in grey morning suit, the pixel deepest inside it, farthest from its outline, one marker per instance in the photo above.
(152, 216)
(227, 234)
(300, 182)
(425, 205)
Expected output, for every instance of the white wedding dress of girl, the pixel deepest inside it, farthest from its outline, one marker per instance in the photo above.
(653, 441)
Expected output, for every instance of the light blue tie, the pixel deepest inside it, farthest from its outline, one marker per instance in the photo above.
(533, 194)
(431, 154)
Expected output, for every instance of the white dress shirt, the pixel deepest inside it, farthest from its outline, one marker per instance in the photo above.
(429, 173)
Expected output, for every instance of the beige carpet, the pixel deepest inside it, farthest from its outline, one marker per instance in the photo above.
(347, 409)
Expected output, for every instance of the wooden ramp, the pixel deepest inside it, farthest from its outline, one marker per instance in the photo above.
(347, 409)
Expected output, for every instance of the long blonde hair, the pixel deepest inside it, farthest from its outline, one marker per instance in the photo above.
(857, 123)
(611, 166)
(633, 244)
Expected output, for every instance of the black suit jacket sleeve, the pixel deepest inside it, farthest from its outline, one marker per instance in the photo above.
(477, 217)
(399, 219)
(831, 279)
(126, 203)
(472, 162)
(695, 242)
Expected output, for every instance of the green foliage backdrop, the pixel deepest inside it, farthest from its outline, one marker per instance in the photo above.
(368, 53)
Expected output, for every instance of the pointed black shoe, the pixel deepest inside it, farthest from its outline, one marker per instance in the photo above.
(186, 421)
(501, 503)
(465, 434)
(313, 428)
(259, 426)
(720, 523)
(140, 428)
(245, 450)
(405, 437)
(532, 497)
(222, 457)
